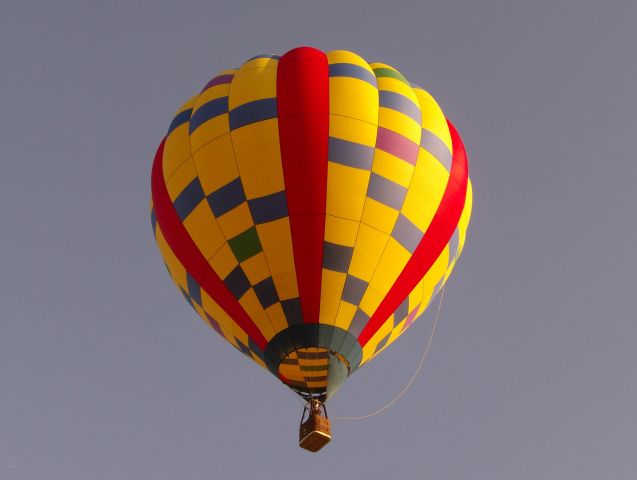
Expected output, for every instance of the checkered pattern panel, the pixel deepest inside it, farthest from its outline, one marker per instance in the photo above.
(229, 193)
(431, 176)
(389, 165)
(370, 239)
(207, 308)
(389, 158)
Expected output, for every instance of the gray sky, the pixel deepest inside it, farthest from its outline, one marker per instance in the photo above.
(107, 373)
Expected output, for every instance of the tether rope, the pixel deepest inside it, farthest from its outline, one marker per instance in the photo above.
(413, 377)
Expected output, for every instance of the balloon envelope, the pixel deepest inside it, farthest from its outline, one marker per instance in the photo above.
(309, 207)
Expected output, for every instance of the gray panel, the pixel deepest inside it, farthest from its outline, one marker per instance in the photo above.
(292, 311)
(386, 191)
(354, 289)
(208, 111)
(255, 349)
(237, 282)
(454, 243)
(193, 288)
(243, 348)
(358, 322)
(352, 71)
(401, 104)
(436, 147)
(336, 257)
(264, 55)
(268, 208)
(382, 343)
(180, 119)
(402, 311)
(153, 221)
(266, 292)
(350, 154)
(253, 112)
(227, 197)
(188, 199)
(187, 297)
(406, 233)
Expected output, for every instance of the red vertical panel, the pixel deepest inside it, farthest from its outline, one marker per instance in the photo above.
(303, 108)
(433, 242)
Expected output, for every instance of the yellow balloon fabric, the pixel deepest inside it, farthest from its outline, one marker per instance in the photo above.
(309, 207)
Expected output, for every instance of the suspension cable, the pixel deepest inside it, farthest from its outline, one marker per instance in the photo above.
(413, 377)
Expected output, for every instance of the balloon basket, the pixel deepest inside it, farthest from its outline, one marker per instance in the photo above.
(314, 433)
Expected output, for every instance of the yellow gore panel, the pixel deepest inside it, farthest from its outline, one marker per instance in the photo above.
(215, 164)
(211, 114)
(389, 157)
(177, 146)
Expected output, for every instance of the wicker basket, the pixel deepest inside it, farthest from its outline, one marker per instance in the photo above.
(314, 433)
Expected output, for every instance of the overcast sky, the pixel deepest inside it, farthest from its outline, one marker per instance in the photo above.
(106, 373)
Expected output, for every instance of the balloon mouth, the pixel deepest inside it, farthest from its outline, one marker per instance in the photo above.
(314, 372)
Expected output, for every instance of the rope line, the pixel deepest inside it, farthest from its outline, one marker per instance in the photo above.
(413, 377)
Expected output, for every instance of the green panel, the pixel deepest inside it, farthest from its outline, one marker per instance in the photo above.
(246, 244)
(388, 72)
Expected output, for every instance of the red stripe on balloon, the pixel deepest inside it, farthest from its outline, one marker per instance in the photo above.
(303, 106)
(189, 255)
(432, 243)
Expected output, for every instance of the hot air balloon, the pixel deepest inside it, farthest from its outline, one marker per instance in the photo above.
(309, 206)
